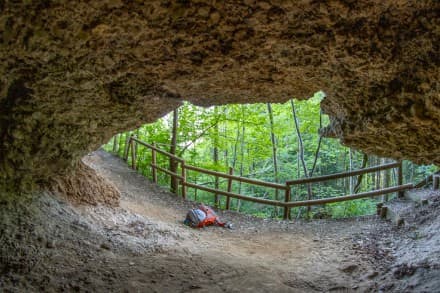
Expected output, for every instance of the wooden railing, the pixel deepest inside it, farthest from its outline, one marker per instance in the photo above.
(287, 204)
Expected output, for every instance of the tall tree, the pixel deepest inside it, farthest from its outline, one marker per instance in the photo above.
(357, 187)
(274, 151)
(115, 143)
(215, 156)
(274, 146)
(307, 174)
(243, 129)
(173, 147)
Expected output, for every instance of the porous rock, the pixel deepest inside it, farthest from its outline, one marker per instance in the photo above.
(72, 74)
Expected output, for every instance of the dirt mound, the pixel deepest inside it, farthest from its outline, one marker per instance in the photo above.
(85, 186)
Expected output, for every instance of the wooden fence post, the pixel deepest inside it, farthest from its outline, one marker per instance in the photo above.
(401, 193)
(435, 181)
(228, 199)
(183, 181)
(287, 199)
(153, 164)
(126, 148)
(133, 154)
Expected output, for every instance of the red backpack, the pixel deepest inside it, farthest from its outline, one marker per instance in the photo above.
(202, 216)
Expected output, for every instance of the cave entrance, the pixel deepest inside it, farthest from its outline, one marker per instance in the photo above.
(269, 142)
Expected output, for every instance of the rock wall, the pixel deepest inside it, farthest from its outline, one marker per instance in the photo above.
(74, 73)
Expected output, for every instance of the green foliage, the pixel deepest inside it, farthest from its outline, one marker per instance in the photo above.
(352, 208)
(201, 131)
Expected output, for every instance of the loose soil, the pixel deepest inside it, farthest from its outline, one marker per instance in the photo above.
(49, 244)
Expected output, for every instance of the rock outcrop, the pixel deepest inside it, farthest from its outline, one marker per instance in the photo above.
(75, 73)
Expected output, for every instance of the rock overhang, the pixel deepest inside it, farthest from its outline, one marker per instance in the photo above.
(73, 74)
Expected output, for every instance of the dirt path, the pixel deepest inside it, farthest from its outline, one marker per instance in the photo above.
(258, 254)
(48, 244)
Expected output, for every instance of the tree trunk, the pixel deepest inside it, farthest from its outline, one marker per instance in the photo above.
(386, 179)
(215, 158)
(173, 147)
(357, 187)
(274, 152)
(243, 129)
(234, 152)
(115, 143)
(301, 154)
(121, 143)
(350, 182)
(127, 139)
(378, 175)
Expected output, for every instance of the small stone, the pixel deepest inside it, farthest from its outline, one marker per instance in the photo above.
(215, 17)
(372, 275)
(131, 263)
(349, 268)
(105, 246)
(50, 244)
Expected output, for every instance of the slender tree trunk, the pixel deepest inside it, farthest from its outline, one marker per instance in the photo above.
(345, 180)
(195, 189)
(215, 158)
(274, 152)
(127, 139)
(234, 152)
(373, 174)
(386, 179)
(243, 129)
(301, 154)
(378, 176)
(357, 187)
(173, 147)
(120, 143)
(350, 182)
(298, 162)
(115, 143)
(318, 148)
(136, 149)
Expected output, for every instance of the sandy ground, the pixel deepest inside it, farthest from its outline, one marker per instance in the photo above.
(48, 244)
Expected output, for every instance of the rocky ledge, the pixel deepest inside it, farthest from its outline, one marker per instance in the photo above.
(75, 73)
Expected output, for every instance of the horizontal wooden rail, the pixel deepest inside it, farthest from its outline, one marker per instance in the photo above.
(158, 150)
(235, 195)
(237, 178)
(167, 171)
(343, 174)
(349, 197)
(286, 204)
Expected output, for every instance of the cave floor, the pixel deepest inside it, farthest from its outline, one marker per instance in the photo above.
(49, 244)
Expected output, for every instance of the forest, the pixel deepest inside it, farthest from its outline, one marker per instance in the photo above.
(270, 142)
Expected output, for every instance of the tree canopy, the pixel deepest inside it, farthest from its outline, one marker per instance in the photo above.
(266, 142)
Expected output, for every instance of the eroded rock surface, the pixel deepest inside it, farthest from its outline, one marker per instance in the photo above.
(73, 74)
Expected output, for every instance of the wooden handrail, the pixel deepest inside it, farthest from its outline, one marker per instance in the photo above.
(167, 172)
(180, 160)
(237, 178)
(343, 174)
(287, 204)
(349, 197)
(236, 195)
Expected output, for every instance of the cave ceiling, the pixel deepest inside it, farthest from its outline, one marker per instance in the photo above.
(74, 73)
